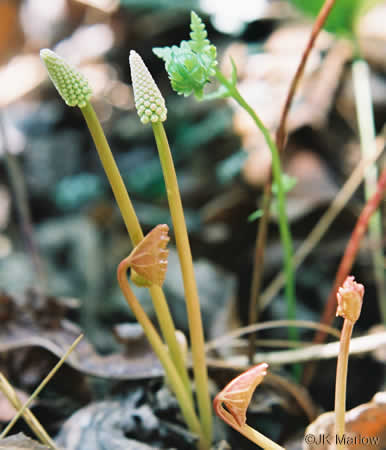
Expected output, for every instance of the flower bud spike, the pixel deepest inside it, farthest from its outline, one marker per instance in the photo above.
(71, 84)
(148, 99)
(350, 298)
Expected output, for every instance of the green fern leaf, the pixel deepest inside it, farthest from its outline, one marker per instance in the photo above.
(198, 35)
(191, 65)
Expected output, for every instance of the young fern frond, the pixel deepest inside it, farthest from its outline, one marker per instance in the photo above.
(191, 65)
(199, 42)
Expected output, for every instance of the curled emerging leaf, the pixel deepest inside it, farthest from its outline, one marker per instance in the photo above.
(237, 394)
(150, 257)
(191, 65)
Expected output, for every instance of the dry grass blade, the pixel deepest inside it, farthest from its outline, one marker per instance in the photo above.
(267, 325)
(358, 345)
(28, 416)
(39, 388)
(325, 221)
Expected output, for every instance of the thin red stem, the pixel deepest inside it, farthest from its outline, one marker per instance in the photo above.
(281, 134)
(347, 262)
(318, 25)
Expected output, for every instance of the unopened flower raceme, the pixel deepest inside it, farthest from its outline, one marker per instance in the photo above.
(71, 84)
(350, 297)
(148, 99)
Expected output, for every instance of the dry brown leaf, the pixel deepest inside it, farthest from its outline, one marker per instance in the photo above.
(365, 424)
(265, 86)
(24, 329)
(314, 186)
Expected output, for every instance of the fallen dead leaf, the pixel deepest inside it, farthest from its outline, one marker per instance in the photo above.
(314, 186)
(365, 424)
(53, 332)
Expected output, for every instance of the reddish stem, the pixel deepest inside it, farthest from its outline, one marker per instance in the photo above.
(347, 262)
(267, 196)
(318, 25)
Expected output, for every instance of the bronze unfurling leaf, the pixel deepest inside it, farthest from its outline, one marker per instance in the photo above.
(237, 394)
(150, 257)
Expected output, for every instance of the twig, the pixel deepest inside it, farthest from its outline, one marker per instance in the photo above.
(318, 25)
(359, 345)
(266, 326)
(280, 143)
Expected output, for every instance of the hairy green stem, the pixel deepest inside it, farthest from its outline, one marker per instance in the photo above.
(281, 200)
(162, 353)
(190, 287)
(134, 229)
(365, 117)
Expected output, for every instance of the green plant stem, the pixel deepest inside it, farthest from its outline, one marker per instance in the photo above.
(136, 235)
(112, 172)
(281, 200)
(162, 353)
(341, 381)
(190, 287)
(365, 117)
(281, 136)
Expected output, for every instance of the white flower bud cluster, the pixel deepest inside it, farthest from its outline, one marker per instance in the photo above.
(148, 99)
(71, 84)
